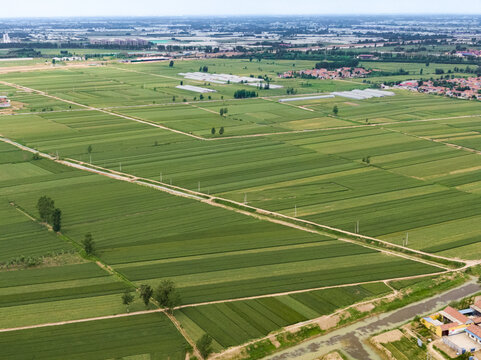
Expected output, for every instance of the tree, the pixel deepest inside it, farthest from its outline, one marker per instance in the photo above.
(204, 345)
(212, 131)
(89, 149)
(225, 111)
(242, 94)
(146, 292)
(45, 207)
(173, 98)
(88, 244)
(56, 220)
(221, 130)
(127, 299)
(335, 110)
(221, 111)
(171, 64)
(167, 295)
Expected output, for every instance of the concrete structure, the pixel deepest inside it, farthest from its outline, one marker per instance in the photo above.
(4, 102)
(307, 98)
(219, 78)
(461, 343)
(354, 94)
(262, 85)
(195, 89)
(6, 39)
(459, 329)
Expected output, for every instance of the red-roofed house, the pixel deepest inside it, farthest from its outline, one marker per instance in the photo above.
(455, 316)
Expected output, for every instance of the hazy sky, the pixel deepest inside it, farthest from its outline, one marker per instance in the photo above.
(29, 8)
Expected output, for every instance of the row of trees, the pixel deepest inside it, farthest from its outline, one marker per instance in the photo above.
(49, 213)
(243, 94)
(165, 295)
(221, 131)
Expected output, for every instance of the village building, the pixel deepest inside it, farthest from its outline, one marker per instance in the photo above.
(4, 102)
(341, 73)
(463, 88)
(459, 329)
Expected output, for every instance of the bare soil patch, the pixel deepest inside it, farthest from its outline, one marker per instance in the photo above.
(387, 337)
(332, 356)
(365, 307)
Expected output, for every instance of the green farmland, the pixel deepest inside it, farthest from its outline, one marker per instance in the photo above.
(256, 318)
(132, 160)
(141, 337)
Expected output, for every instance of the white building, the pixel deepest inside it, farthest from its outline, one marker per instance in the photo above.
(4, 102)
(6, 39)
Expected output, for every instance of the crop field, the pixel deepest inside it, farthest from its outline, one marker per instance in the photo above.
(52, 289)
(235, 323)
(149, 336)
(248, 117)
(392, 168)
(217, 255)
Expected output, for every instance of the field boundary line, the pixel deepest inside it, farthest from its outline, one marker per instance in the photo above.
(108, 111)
(111, 271)
(162, 310)
(239, 207)
(60, 323)
(142, 121)
(297, 326)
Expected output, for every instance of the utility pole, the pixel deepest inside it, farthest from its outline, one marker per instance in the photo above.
(295, 210)
(120, 167)
(357, 227)
(245, 198)
(407, 238)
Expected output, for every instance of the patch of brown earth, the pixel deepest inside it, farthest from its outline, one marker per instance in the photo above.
(275, 342)
(365, 307)
(329, 321)
(332, 356)
(387, 337)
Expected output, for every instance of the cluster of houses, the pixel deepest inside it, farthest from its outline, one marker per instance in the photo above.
(4, 102)
(341, 73)
(466, 53)
(69, 58)
(459, 87)
(459, 329)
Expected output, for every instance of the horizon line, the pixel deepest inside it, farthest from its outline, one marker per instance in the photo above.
(237, 15)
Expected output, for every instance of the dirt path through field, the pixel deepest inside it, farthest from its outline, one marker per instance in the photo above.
(153, 124)
(145, 122)
(41, 67)
(259, 213)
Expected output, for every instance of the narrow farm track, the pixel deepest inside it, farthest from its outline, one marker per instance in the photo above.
(263, 214)
(145, 122)
(298, 326)
(108, 111)
(106, 317)
(157, 75)
(211, 200)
